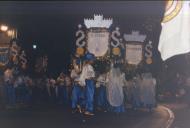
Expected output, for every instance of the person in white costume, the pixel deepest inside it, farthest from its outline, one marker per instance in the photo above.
(115, 93)
(148, 90)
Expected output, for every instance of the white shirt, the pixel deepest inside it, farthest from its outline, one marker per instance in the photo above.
(87, 73)
(101, 80)
(74, 75)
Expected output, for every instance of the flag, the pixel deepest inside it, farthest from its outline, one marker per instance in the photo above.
(175, 33)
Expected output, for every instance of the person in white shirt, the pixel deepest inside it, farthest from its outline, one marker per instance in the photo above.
(77, 100)
(87, 79)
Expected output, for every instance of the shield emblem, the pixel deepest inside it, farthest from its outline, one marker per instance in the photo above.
(98, 42)
(134, 53)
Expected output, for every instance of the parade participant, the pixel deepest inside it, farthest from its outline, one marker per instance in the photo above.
(128, 91)
(20, 90)
(67, 90)
(136, 92)
(101, 92)
(61, 83)
(115, 89)
(87, 79)
(148, 90)
(9, 88)
(77, 91)
(29, 84)
(51, 90)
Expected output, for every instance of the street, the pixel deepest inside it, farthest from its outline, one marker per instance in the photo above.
(60, 118)
(182, 114)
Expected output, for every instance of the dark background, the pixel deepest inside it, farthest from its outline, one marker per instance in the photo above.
(52, 25)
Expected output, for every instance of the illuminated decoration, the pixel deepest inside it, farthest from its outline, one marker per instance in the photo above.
(11, 33)
(149, 60)
(34, 46)
(135, 37)
(134, 53)
(98, 42)
(4, 28)
(116, 51)
(115, 34)
(80, 51)
(134, 47)
(148, 52)
(98, 22)
(81, 36)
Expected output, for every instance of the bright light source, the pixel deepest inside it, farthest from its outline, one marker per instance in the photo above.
(4, 28)
(10, 33)
(34, 46)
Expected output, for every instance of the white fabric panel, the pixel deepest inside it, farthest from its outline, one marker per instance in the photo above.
(97, 43)
(175, 37)
(134, 53)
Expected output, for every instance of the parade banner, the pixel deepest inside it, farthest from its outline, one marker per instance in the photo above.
(134, 54)
(175, 37)
(98, 42)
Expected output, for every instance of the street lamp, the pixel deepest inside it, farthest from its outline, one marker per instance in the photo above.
(4, 28)
(34, 46)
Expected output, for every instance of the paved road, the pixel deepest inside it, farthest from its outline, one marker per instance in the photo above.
(182, 114)
(60, 118)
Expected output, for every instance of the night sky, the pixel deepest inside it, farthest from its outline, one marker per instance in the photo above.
(52, 25)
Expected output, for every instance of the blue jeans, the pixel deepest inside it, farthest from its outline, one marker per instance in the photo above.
(77, 96)
(90, 88)
(10, 94)
(102, 98)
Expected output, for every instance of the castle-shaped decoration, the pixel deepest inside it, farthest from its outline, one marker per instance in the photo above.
(134, 37)
(98, 22)
(134, 47)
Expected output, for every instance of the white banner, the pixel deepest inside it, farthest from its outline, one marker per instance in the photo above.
(134, 54)
(175, 37)
(97, 43)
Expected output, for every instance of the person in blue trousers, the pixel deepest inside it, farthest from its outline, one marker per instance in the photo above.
(77, 98)
(101, 96)
(87, 79)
